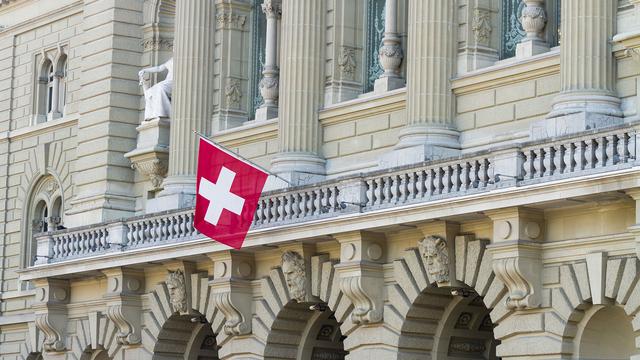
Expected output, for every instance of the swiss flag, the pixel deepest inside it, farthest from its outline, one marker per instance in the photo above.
(228, 190)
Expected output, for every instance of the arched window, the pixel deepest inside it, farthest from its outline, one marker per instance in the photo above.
(44, 212)
(50, 94)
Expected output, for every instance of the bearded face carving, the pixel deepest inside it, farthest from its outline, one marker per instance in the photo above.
(436, 254)
(293, 268)
(177, 291)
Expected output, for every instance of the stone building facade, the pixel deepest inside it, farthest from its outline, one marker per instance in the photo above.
(461, 178)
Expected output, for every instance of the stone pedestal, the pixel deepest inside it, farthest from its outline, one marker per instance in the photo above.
(151, 155)
(534, 21)
(390, 53)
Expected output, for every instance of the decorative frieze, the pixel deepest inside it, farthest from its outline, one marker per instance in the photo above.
(157, 44)
(229, 19)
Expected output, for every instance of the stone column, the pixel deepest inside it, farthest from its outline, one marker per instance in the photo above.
(534, 20)
(301, 91)
(390, 52)
(430, 132)
(587, 98)
(269, 86)
(192, 101)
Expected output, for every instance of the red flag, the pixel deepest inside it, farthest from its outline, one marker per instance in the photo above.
(228, 189)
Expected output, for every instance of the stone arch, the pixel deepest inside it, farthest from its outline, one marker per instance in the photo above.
(96, 339)
(182, 338)
(31, 348)
(281, 322)
(420, 305)
(605, 282)
(161, 319)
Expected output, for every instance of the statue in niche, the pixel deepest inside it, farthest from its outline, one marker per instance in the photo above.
(435, 252)
(293, 268)
(157, 97)
(177, 291)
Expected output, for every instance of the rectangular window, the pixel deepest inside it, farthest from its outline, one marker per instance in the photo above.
(374, 23)
(258, 42)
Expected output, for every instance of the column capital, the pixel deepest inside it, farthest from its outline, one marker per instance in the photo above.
(272, 8)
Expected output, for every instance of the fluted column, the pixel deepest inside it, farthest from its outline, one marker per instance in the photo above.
(534, 21)
(431, 60)
(269, 84)
(390, 53)
(192, 100)
(301, 90)
(587, 97)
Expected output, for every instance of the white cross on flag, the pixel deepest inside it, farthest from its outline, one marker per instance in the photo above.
(228, 191)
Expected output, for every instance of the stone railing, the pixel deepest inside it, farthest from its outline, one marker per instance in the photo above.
(530, 163)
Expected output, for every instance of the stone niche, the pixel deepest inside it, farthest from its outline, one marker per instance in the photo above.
(151, 155)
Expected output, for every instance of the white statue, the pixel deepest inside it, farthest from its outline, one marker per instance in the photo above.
(158, 97)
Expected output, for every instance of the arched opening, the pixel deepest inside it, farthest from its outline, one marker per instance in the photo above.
(186, 337)
(35, 356)
(99, 354)
(303, 334)
(440, 325)
(44, 212)
(607, 334)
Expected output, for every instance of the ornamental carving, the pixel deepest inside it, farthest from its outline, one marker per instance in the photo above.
(157, 44)
(481, 26)
(235, 323)
(347, 62)
(269, 87)
(154, 168)
(231, 20)
(293, 268)
(390, 56)
(233, 93)
(533, 19)
(436, 254)
(272, 8)
(177, 291)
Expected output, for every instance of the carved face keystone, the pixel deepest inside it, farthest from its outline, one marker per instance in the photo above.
(177, 291)
(436, 255)
(293, 268)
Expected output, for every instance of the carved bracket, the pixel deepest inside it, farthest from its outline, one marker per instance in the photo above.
(363, 284)
(123, 303)
(51, 326)
(518, 265)
(128, 334)
(150, 157)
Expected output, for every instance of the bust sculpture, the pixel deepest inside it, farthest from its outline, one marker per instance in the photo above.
(177, 291)
(158, 97)
(435, 252)
(293, 268)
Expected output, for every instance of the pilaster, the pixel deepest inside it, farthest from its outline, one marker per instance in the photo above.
(301, 91)
(192, 100)
(587, 97)
(430, 132)
(635, 229)
(109, 112)
(231, 78)
(362, 255)
(124, 305)
(517, 254)
(50, 308)
(231, 289)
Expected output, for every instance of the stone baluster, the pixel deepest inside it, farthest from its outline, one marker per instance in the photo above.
(192, 99)
(270, 75)
(390, 52)
(301, 91)
(587, 97)
(430, 132)
(534, 20)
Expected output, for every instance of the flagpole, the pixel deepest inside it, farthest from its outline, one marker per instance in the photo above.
(231, 153)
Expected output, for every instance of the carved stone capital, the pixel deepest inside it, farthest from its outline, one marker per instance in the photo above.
(272, 8)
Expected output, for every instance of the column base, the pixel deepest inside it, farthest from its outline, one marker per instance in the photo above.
(531, 47)
(573, 113)
(265, 113)
(178, 193)
(420, 143)
(340, 91)
(227, 119)
(299, 168)
(385, 84)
